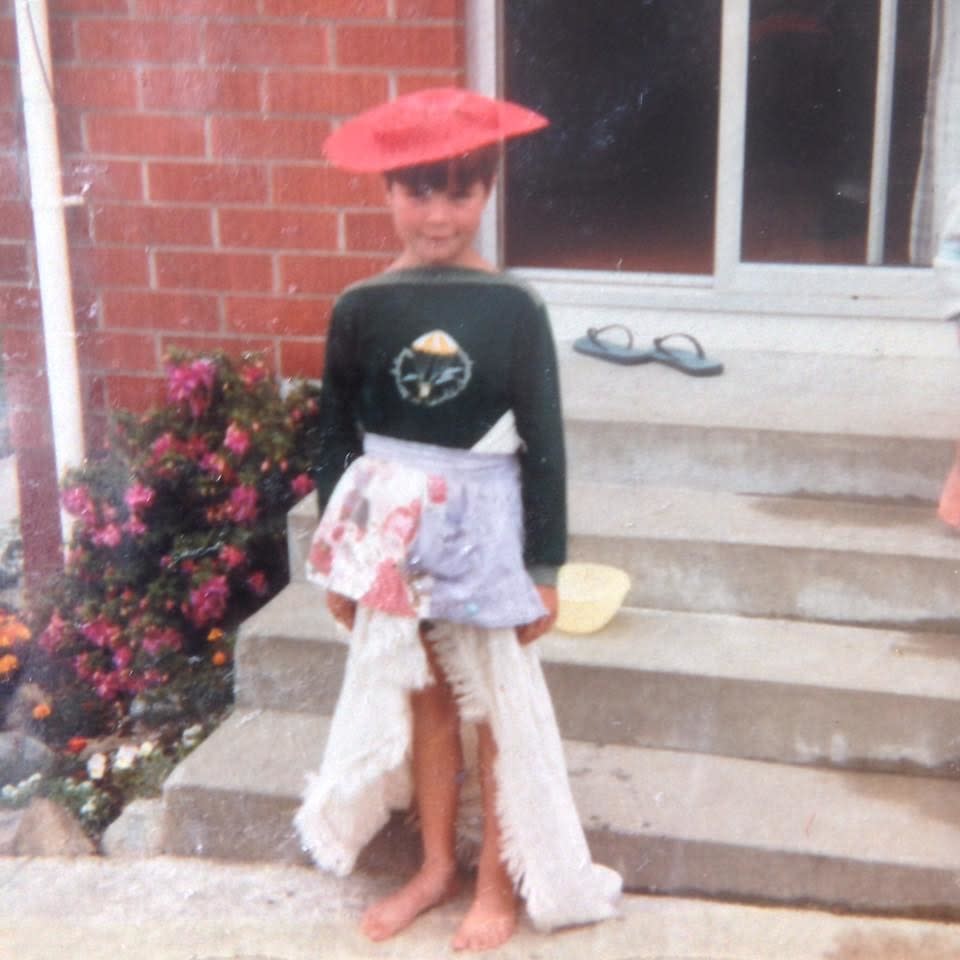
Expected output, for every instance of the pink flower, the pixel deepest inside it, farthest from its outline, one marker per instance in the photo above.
(139, 497)
(109, 536)
(257, 582)
(108, 686)
(232, 557)
(208, 602)
(56, 632)
(122, 658)
(214, 464)
(252, 373)
(242, 507)
(164, 444)
(101, 632)
(157, 640)
(301, 485)
(135, 527)
(78, 503)
(237, 441)
(192, 383)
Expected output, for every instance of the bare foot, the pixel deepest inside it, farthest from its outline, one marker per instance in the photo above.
(490, 921)
(428, 888)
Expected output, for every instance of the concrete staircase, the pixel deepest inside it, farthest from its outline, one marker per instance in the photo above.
(776, 714)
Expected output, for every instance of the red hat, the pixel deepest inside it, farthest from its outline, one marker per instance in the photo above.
(424, 127)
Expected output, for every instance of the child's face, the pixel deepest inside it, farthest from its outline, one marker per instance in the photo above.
(437, 227)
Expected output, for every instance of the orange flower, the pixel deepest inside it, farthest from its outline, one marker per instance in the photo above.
(8, 664)
(215, 634)
(219, 658)
(12, 631)
(77, 744)
(41, 711)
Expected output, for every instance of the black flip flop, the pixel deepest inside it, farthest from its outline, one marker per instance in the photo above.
(693, 362)
(593, 346)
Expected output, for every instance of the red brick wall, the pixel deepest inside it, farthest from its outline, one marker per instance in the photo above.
(194, 129)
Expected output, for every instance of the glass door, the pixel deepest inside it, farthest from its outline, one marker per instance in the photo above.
(747, 145)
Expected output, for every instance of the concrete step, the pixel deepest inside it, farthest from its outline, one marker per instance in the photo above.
(785, 691)
(774, 422)
(671, 822)
(791, 558)
(846, 561)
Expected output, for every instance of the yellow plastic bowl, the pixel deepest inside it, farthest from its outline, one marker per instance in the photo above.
(588, 595)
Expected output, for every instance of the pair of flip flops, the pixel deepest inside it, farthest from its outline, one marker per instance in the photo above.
(694, 362)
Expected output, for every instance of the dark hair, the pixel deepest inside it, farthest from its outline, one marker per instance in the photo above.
(457, 173)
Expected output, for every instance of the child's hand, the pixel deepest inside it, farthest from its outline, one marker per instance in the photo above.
(531, 631)
(343, 608)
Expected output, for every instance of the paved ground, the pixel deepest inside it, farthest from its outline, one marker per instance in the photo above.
(176, 909)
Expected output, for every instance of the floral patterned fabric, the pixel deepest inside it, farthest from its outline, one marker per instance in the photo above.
(426, 532)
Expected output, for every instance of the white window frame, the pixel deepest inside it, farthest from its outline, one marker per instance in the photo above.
(735, 285)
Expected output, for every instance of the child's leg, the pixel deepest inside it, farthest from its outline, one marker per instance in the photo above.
(437, 762)
(492, 918)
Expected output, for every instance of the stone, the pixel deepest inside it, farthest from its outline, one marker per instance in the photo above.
(9, 825)
(137, 832)
(49, 830)
(22, 756)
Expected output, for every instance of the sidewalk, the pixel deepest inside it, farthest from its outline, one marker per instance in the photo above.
(178, 909)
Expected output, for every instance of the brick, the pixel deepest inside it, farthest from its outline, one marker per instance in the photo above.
(22, 349)
(78, 223)
(371, 232)
(327, 187)
(60, 8)
(70, 130)
(412, 82)
(96, 87)
(341, 94)
(278, 229)
(14, 263)
(103, 180)
(29, 425)
(109, 267)
(8, 88)
(207, 183)
(277, 316)
(430, 9)
(136, 394)
(266, 44)
(197, 8)
(10, 135)
(12, 186)
(302, 358)
(200, 90)
(152, 310)
(122, 352)
(327, 9)
(268, 139)
(326, 275)
(27, 390)
(145, 135)
(399, 47)
(63, 44)
(139, 41)
(8, 40)
(19, 306)
(150, 226)
(214, 271)
(15, 221)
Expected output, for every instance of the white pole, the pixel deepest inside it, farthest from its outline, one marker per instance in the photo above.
(53, 262)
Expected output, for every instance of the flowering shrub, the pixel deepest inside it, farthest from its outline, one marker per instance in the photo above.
(178, 536)
(14, 636)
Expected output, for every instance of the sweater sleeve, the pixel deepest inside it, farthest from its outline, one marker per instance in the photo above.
(335, 439)
(537, 408)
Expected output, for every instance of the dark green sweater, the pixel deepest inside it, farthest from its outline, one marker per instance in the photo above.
(438, 356)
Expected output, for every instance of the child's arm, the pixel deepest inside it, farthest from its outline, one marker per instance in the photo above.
(538, 413)
(335, 439)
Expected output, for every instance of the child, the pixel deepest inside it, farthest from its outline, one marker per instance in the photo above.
(440, 459)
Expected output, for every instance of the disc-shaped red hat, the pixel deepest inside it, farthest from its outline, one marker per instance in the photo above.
(424, 127)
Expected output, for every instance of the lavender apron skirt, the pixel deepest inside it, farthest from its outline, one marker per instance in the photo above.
(428, 532)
